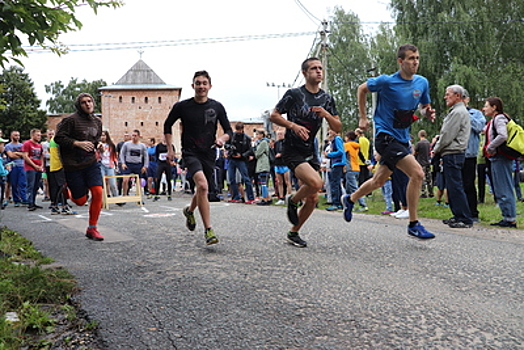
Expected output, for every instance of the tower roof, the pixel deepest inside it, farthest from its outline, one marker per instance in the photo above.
(140, 74)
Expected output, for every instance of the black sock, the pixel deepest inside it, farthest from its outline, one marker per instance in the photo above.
(413, 223)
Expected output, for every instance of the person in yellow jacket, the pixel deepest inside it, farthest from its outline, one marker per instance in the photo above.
(353, 148)
(57, 182)
(364, 161)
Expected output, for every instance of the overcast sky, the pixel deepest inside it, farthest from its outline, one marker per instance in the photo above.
(240, 69)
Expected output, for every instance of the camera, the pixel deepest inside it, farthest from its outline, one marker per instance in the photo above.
(230, 148)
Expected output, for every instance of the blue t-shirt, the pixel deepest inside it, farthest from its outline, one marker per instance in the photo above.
(11, 147)
(396, 93)
(151, 153)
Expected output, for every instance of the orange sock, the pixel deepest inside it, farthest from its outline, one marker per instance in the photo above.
(96, 205)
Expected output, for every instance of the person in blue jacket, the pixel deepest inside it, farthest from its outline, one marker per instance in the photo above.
(337, 158)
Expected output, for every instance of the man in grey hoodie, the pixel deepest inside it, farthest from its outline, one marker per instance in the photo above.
(451, 146)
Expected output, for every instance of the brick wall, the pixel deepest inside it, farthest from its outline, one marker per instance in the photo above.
(145, 110)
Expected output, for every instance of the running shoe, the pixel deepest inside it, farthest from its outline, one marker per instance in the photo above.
(92, 233)
(250, 201)
(418, 231)
(505, 223)
(294, 239)
(449, 221)
(334, 208)
(403, 215)
(190, 219)
(363, 209)
(55, 210)
(459, 224)
(66, 210)
(398, 212)
(292, 210)
(348, 207)
(156, 198)
(211, 238)
(280, 202)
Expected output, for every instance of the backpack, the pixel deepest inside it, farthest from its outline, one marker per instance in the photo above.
(513, 147)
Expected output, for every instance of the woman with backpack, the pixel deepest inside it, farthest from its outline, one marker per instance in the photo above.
(501, 166)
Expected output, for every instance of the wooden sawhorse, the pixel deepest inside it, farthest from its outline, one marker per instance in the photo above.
(137, 198)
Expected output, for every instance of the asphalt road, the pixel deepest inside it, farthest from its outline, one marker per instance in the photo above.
(152, 284)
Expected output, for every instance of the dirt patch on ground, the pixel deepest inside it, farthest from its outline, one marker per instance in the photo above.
(72, 330)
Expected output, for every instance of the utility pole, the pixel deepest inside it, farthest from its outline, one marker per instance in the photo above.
(323, 58)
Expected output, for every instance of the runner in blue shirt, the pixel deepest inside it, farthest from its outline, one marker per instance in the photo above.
(398, 97)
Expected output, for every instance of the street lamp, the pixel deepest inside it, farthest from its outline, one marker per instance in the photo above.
(278, 86)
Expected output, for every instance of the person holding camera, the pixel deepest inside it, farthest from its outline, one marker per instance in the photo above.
(239, 152)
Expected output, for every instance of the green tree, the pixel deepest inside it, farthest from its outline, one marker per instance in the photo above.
(349, 61)
(64, 96)
(383, 50)
(21, 103)
(475, 43)
(40, 22)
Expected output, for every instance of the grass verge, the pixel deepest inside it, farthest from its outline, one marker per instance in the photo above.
(36, 306)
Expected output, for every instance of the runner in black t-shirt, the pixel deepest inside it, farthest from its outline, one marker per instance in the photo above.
(200, 116)
(305, 108)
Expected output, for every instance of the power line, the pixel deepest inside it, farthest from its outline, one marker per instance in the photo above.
(307, 12)
(164, 43)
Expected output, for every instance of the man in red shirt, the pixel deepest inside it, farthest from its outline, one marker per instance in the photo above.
(33, 166)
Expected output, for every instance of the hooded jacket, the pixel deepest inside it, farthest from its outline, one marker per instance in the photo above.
(337, 155)
(78, 126)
